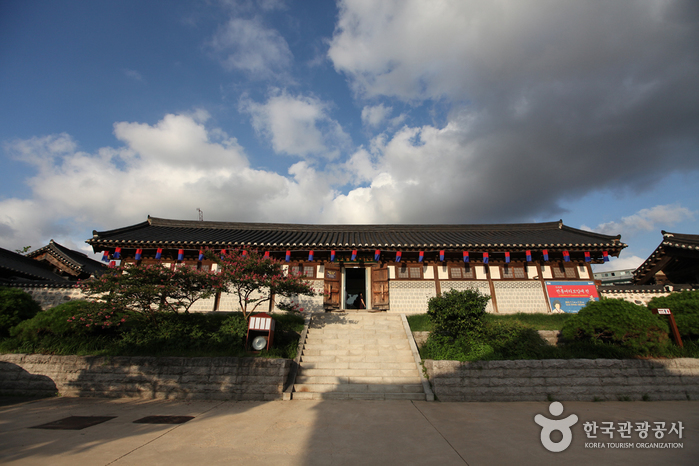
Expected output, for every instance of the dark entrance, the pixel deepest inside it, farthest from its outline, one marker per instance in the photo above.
(355, 288)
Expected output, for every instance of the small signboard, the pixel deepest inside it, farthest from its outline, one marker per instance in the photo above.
(665, 312)
(570, 297)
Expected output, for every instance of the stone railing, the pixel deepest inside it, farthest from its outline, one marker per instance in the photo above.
(565, 380)
(219, 378)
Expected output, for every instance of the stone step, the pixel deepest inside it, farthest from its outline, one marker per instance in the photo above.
(346, 372)
(359, 379)
(397, 346)
(355, 352)
(380, 365)
(357, 388)
(388, 357)
(357, 396)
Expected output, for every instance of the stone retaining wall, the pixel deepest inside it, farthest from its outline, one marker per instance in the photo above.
(143, 377)
(565, 380)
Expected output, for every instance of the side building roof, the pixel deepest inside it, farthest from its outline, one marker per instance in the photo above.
(677, 256)
(16, 268)
(76, 261)
(157, 232)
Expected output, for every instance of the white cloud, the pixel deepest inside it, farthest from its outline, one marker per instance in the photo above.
(133, 74)
(249, 46)
(297, 125)
(621, 263)
(656, 218)
(167, 169)
(375, 115)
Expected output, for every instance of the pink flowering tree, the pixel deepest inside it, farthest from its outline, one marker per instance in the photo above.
(254, 279)
(150, 289)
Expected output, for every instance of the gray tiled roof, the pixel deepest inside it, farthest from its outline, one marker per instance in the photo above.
(193, 234)
(76, 260)
(16, 267)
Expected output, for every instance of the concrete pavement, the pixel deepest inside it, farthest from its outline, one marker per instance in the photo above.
(318, 432)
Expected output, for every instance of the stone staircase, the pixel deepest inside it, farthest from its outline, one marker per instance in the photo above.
(358, 356)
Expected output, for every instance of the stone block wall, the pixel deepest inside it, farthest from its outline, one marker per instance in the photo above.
(144, 377)
(50, 296)
(565, 380)
(636, 297)
(410, 297)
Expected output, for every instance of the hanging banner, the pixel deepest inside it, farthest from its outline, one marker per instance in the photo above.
(570, 297)
(159, 254)
(466, 258)
(377, 255)
(117, 253)
(310, 256)
(529, 255)
(398, 256)
(421, 256)
(507, 257)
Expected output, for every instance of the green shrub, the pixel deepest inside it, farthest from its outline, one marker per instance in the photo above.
(685, 308)
(15, 307)
(619, 323)
(71, 318)
(420, 323)
(457, 313)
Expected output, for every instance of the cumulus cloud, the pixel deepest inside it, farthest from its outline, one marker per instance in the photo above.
(375, 115)
(167, 169)
(249, 46)
(656, 218)
(297, 125)
(133, 74)
(621, 263)
(548, 100)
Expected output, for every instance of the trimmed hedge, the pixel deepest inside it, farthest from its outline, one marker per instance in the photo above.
(685, 308)
(619, 323)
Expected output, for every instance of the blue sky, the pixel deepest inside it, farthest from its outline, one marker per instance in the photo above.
(350, 112)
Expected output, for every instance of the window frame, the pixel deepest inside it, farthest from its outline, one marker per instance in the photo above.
(408, 266)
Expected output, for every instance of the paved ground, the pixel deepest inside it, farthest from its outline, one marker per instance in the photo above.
(331, 432)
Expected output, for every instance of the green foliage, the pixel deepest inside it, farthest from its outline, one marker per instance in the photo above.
(254, 279)
(15, 306)
(457, 313)
(685, 308)
(618, 323)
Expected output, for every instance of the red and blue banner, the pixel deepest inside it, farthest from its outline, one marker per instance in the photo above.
(377, 255)
(112, 264)
(605, 256)
(546, 254)
(139, 252)
(566, 256)
(159, 254)
(310, 256)
(570, 297)
(507, 257)
(421, 256)
(441, 256)
(287, 257)
(117, 253)
(587, 256)
(266, 255)
(354, 255)
(486, 258)
(105, 256)
(180, 255)
(529, 255)
(466, 258)
(201, 254)
(332, 256)
(398, 256)
(223, 253)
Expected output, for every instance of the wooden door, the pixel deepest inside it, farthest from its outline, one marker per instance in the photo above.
(331, 297)
(379, 287)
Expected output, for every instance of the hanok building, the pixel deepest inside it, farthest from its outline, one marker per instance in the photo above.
(396, 268)
(73, 265)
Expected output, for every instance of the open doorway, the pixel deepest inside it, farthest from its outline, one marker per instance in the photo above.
(355, 288)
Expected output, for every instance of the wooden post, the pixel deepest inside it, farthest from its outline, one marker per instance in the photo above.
(673, 325)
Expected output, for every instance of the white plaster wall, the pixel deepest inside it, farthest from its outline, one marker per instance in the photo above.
(582, 271)
(480, 273)
(632, 297)
(411, 297)
(531, 271)
(443, 272)
(428, 272)
(391, 272)
(495, 272)
(546, 272)
(461, 285)
(520, 296)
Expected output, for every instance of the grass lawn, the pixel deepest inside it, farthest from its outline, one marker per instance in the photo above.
(422, 323)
